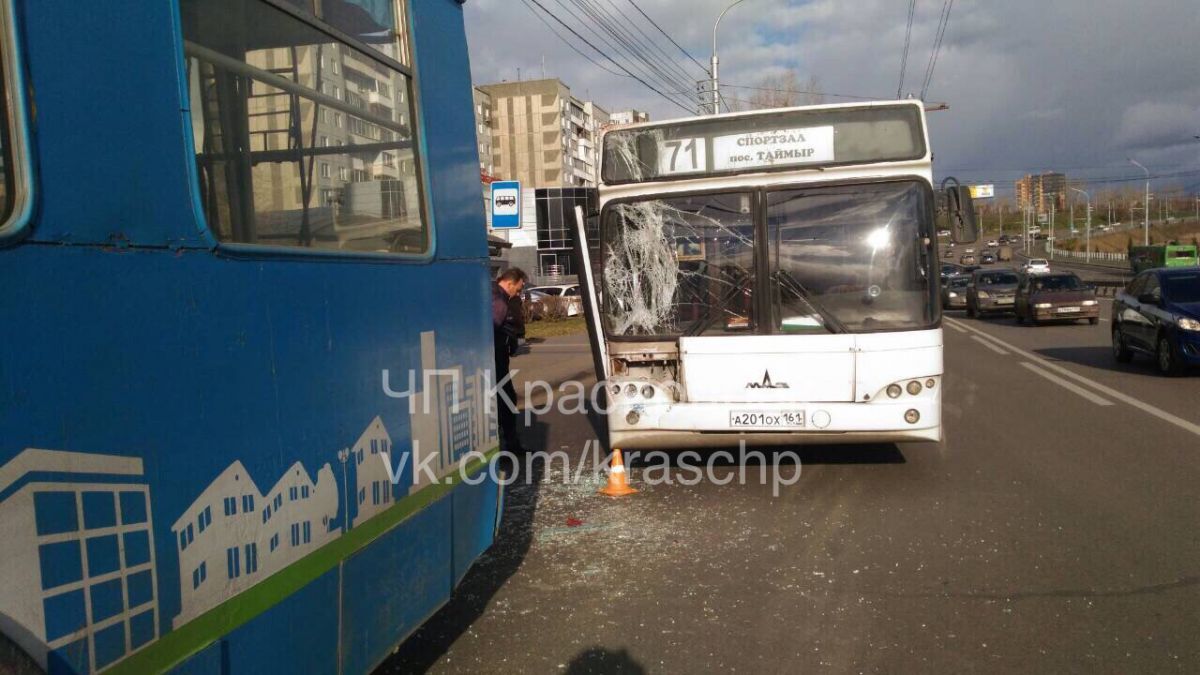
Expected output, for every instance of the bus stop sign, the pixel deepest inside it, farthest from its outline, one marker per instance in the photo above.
(506, 205)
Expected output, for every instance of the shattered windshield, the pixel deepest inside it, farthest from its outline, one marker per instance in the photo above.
(851, 258)
(679, 265)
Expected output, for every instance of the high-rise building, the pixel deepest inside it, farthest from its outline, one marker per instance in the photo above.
(1041, 191)
(541, 135)
(548, 140)
(483, 130)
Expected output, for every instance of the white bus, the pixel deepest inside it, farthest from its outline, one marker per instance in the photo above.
(769, 276)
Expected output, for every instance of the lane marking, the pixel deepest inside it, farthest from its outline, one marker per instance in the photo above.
(1107, 391)
(989, 345)
(958, 328)
(1069, 386)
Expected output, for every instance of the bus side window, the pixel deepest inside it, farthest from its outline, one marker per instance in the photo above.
(302, 140)
(14, 180)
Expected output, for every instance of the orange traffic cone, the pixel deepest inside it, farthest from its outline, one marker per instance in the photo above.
(617, 486)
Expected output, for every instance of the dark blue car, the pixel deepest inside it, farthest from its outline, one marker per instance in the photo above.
(1158, 314)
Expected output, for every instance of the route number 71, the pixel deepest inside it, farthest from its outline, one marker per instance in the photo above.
(684, 155)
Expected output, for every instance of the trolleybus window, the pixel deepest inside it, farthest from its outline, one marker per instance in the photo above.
(302, 140)
(851, 258)
(679, 265)
(11, 183)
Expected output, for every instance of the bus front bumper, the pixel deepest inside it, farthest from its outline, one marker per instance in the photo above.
(696, 425)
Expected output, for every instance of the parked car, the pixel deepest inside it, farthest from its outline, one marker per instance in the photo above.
(570, 292)
(1055, 297)
(991, 292)
(954, 291)
(993, 243)
(967, 260)
(1036, 266)
(987, 258)
(1158, 314)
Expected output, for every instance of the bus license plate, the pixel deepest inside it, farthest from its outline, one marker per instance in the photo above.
(786, 419)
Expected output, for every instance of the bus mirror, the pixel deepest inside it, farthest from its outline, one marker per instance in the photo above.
(960, 213)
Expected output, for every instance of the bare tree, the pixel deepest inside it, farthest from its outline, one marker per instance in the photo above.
(782, 91)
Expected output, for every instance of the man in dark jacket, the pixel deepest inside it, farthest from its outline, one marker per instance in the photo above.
(504, 327)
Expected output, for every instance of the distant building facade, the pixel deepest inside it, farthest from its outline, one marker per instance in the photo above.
(1041, 191)
(628, 117)
(546, 138)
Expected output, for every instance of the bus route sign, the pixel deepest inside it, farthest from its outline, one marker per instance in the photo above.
(772, 148)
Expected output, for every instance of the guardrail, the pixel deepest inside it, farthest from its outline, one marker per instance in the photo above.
(1093, 256)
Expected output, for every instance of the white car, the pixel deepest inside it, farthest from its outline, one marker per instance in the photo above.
(1037, 266)
(993, 243)
(568, 291)
(970, 250)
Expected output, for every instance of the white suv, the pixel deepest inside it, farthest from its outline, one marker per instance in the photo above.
(1037, 266)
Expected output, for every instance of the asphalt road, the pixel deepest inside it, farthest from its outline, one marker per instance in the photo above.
(1054, 529)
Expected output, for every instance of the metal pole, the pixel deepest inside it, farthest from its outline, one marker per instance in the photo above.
(1088, 227)
(1146, 211)
(716, 96)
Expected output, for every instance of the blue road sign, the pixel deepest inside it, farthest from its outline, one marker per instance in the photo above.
(506, 205)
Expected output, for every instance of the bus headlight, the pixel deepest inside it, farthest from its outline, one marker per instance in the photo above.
(631, 389)
(914, 388)
(929, 384)
(912, 416)
(632, 418)
(648, 391)
(894, 391)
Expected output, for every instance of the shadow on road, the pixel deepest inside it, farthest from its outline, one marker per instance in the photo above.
(432, 640)
(1099, 357)
(601, 661)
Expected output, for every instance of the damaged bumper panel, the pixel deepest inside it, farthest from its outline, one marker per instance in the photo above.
(702, 425)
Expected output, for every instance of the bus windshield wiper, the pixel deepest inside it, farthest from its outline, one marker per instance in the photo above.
(787, 281)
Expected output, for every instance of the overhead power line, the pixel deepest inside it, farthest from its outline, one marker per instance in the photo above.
(620, 53)
(654, 44)
(937, 46)
(601, 52)
(630, 45)
(570, 44)
(668, 36)
(912, 8)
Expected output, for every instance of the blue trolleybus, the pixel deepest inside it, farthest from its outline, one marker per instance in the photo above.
(245, 345)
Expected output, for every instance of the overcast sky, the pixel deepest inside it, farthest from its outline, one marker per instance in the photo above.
(1032, 85)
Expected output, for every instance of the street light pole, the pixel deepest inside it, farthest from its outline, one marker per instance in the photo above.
(716, 96)
(1145, 211)
(1088, 226)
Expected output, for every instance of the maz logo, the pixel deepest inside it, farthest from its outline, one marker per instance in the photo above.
(767, 383)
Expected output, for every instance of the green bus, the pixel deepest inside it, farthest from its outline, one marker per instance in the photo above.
(1162, 255)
